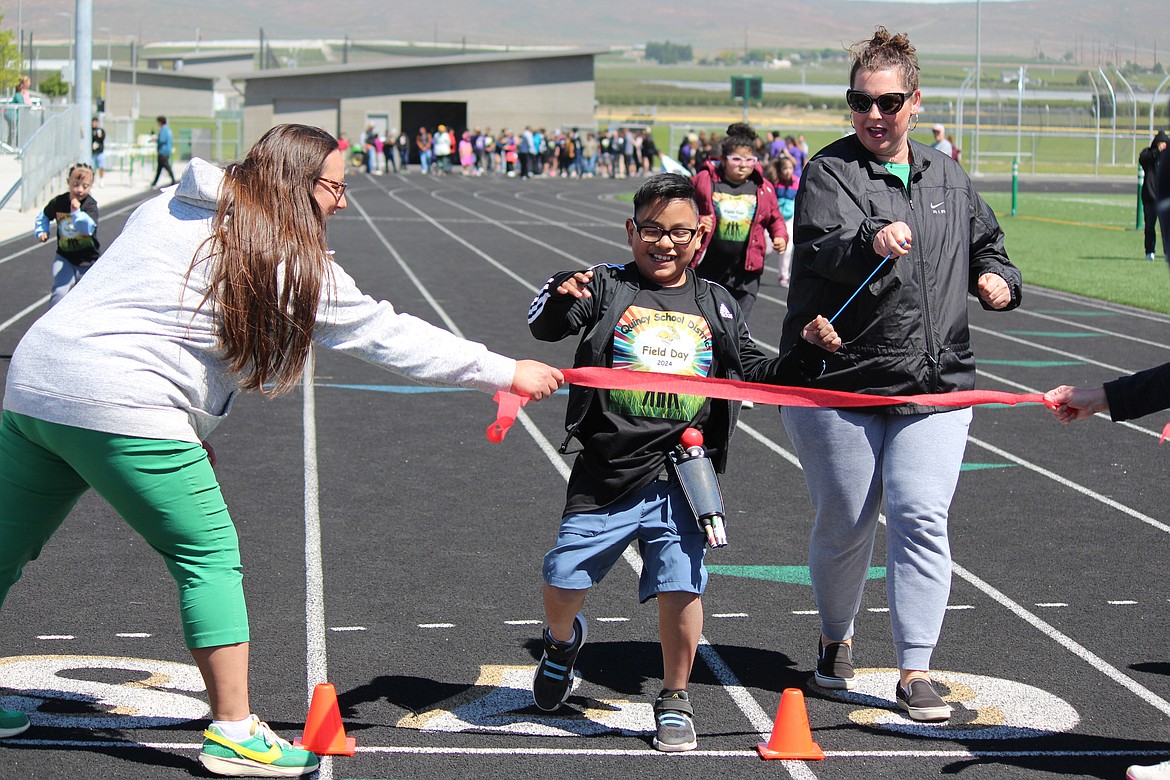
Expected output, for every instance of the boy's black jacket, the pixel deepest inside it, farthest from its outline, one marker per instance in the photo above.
(552, 317)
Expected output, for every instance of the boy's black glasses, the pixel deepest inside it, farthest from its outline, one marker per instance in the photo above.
(889, 103)
(336, 187)
(652, 234)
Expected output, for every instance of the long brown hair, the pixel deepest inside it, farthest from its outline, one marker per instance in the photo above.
(268, 258)
(886, 51)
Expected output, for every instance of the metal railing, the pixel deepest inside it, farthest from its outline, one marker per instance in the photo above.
(48, 153)
(22, 121)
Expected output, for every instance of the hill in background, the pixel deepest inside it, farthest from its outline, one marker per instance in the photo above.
(1089, 30)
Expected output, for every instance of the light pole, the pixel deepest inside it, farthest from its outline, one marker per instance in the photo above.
(1020, 108)
(109, 63)
(978, 73)
(69, 14)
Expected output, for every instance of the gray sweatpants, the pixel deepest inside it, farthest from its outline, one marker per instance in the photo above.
(854, 460)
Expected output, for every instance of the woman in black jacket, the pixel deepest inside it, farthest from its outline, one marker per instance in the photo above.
(879, 200)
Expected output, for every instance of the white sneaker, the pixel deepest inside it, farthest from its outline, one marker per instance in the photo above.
(1149, 255)
(1156, 772)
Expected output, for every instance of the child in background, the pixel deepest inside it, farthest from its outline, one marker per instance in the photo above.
(782, 173)
(467, 154)
(738, 207)
(76, 214)
(621, 487)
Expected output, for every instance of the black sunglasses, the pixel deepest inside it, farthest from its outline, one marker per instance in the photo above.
(889, 103)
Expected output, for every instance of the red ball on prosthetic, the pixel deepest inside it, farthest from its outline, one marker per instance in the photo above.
(691, 437)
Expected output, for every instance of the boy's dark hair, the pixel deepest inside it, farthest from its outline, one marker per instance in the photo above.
(663, 186)
(162, 120)
(739, 134)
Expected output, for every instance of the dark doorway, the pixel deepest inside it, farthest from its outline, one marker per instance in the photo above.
(430, 114)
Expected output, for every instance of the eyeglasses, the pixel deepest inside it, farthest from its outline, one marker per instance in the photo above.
(735, 159)
(652, 234)
(336, 187)
(889, 103)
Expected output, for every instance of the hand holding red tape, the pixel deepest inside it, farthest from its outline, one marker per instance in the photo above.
(736, 390)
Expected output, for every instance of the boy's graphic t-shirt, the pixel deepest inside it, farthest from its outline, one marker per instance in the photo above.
(735, 210)
(628, 433)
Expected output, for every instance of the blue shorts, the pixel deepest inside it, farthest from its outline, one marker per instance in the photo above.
(669, 540)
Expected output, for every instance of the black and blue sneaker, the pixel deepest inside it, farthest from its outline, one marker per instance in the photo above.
(554, 676)
(674, 722)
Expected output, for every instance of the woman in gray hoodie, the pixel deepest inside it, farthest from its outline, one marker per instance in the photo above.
(219, 285)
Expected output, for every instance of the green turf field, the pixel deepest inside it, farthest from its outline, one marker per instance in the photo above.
(1085, 244)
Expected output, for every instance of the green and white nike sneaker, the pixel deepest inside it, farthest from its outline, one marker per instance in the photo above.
(263, 754)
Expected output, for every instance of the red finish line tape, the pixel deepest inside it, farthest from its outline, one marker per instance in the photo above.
(736, 390)
(780, 395)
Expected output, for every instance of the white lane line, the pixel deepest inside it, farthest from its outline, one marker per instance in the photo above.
(317, 670)
(1101, 415)
(1051, 604)
(1109, 502)
(612, 619)
(133, 636)
(806, 612)
(448, 323)
(37, 246)
(316, 660)
(22, 252)
(464, 242)
(730, 615)
(347, 628)
(436, 750)
(1093, 303)
(1067, 642)
(436, 625)
(594, 236)
(56, 637)
(27, 310)
(1093, 328)
(1122, 603)
(523, 622)
(743, 699)
(1045, 348)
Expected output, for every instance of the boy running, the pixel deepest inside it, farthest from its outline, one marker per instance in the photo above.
(649, 315)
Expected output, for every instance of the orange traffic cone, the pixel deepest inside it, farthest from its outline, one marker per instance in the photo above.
(324, 734)
(791, 736)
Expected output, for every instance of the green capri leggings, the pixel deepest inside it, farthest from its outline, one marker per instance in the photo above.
(165, 490)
